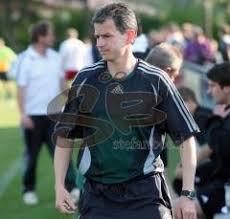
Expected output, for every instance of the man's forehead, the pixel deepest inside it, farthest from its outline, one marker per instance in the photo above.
(107, 23)
(108, 26)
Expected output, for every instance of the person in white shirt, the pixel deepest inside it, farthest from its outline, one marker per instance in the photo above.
(39, 79)
(72, 52)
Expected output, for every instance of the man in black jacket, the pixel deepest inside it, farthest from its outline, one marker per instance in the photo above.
(211, 195)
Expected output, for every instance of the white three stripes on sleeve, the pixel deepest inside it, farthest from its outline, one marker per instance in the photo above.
(174, 93)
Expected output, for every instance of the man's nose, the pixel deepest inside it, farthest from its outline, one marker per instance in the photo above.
(100, 42)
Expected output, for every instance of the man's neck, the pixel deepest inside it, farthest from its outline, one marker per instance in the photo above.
(122, 66)
(40, 48)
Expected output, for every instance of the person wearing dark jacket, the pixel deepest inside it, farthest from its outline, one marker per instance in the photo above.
(211, 195)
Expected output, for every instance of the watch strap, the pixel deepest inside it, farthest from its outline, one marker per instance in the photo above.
(189, 194)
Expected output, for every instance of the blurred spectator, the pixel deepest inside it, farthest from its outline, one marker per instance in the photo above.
(39, 79)
(72, 52)
(200, 114)
(214, 50)
(166, 57)
(88, 56)
(95, 52)
(211, 195)
(140, 44)
(202, 117)
(155, 38)
(175, 36)
(187, 31)
(220, 110)
(224, 44)
(92, 54)
(7, 56)
(213, 158)
(198, 50)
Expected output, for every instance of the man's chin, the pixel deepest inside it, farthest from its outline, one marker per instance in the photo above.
(106, 58)
(49, 45)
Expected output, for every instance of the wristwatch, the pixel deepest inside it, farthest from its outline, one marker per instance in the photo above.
(189, 194)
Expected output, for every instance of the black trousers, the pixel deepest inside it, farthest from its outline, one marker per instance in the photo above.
(146, 198)
(34, 138)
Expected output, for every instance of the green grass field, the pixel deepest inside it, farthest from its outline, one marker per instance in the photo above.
(11, 151)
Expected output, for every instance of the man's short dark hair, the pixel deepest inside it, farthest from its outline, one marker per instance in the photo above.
(220, 74)
(39, 29)
(123, 17)
(187, 94)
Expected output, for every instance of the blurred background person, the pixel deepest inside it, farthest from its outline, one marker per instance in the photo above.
(72, 52)
(202, 116)
(141, 43)
(154, 38)
(175, 36)
(200, 113)
(198, 50)
(218, 58)
(211, 195)
(39, 80)
(168, 58)
(224, 43)
(187, 31)
(7, 56)
(92, 54)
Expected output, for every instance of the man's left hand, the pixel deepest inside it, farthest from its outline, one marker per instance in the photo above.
(185, 208)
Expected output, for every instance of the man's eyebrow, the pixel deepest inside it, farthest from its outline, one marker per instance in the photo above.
(104, 34)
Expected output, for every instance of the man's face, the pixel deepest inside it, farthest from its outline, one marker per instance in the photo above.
(110, 42)
(48, 40)
(217, 92)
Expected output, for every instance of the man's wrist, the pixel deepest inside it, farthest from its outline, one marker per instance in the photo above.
(191, 194)
(58, 186)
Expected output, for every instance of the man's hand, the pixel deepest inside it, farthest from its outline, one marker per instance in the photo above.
(64, 202)
(185, 208)
(27, 122)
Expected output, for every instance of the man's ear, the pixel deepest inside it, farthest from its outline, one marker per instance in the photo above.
(131, 35)
(168, 70)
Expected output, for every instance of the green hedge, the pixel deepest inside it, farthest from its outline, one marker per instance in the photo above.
(80, 19)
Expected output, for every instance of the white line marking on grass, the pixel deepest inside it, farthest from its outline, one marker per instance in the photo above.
(9, 175)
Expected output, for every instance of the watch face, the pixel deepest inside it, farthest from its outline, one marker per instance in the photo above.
(188, 194)
(192, 194)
